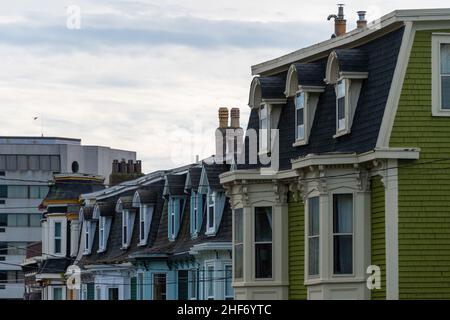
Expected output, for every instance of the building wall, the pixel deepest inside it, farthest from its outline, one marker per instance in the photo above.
(424, 206)
(296, 209)
(378, 234)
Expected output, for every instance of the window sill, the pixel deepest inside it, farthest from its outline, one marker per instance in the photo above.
(210, 232)
(101, 250)
(142, 243)
(299, 143)
(441, 113)
(341, 133)
(85, 253)
(124, 247)
(343, 279)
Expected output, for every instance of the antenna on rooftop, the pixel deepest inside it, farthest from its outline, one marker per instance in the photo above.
(40, 117)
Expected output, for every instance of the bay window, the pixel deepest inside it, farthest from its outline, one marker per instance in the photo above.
(263, 242)
(313, 236)
(300, 98)
(343, 234)
(238, 253)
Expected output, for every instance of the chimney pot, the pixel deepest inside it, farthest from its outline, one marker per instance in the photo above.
(235, 118)
(223, 117)
(340, 24)
(130, 166)
(362, 22)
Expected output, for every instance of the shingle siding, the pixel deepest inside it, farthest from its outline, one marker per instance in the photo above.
(424, 189)
(378, 234)
(297, 289)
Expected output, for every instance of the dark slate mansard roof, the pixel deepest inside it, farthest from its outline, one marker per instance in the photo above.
(378, 58)
(310, 74)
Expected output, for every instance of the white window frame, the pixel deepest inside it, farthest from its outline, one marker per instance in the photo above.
(125, 228)
(143, 223)
(210, 281)
(62, 292)
(193, 283)
(101, 232)
(87, 237)
(195, 212)
(309, 236)
(305, 99)
(352, 234)
(172, 217)
(255, 243)
(60, 238)
(264, 136)
(211, 196)
(345, 83)
(436, 97)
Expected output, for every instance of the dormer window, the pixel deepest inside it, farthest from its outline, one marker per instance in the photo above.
(300, 115)
(174, 206)
(125, 227)
(144, 200)
(211, 211)
(304, 83)
(346, 70)
(264, 128)
(142, 214)
(196, 213)
(87, 237)
(340, 106)
(101, 231)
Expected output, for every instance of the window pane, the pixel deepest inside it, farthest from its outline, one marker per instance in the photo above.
(211, 217)
(183, 280)
(35, 220)
(343, 254)
(263, 260)
(22, 162)
(238, 227)
(263, 224)
(445, 58)
(22, 220)
(57, 229)
(193, 284)
(3, 191)
(57, 293)
(18, 192)
(228, 280)
(313, 256)
(3, 220)
(314, 216)
(12, 220)
(57, 245)
(113, 294)
(301, 132)
(300, 100)
(238, 261)
(341, 89)
(343, 213)
(445, 91)
(210, 282)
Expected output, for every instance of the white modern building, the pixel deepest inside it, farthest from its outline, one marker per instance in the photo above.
(26, 164)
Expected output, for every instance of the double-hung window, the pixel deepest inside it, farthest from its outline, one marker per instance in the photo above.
(210, 282)
(228, 282)
(196, 212)
(300, 115)
(263, 242)
(125, 226)
(57, 237)
(87, 237)
(343, 234)
(211, 211)
(444, 75)
(142, 222)
(441, 74)
(174, 215)
(340, 106)
(193, 284)
(313, 236)
(264, 128)
(102, 225)
(238, 253)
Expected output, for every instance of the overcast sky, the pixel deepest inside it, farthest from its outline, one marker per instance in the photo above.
(149, 75)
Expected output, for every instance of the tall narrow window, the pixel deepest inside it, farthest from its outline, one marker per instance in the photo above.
(445, 75)
(140, 285)
(300, 116)
(183, 281)
(211, 205)
(172, 217)
(57, 293)
(159, 286)
(125, 227)
(313, 236)
(210, 282)
(113, 293)
(228, 282)
(102, 232)
(343, 233)
(87, 240)
(263, 242)
(195, 212)
(57, 237)
(193, 284)
(340, 105)
(142, 222)
(238, 253)
(263, 128)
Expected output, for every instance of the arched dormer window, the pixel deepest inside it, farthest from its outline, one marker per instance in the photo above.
(267, 97)
(346, 70)
(304, 83)
(125, 208)
(104, 212)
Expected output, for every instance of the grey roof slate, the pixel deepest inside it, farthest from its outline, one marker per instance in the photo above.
(310, 74)
(272, 87)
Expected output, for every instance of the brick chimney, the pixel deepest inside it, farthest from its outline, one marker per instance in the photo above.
(223, 117)
(124, 171)
(362, 22)
(235, 118)
(340, 24)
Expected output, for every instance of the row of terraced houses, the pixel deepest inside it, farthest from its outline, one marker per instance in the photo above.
(339, 190)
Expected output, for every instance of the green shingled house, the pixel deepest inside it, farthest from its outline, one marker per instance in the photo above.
(358, 204)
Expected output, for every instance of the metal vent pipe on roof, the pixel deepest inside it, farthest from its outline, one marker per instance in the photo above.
(340, 24)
